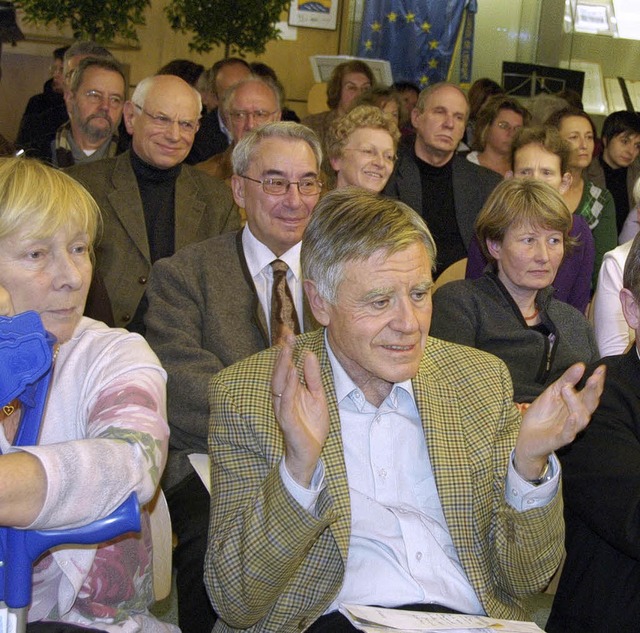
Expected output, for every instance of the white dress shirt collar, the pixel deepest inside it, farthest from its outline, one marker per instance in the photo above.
(259, 256)
(345, 387)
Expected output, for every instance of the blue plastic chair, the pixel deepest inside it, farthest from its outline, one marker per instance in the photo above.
(25, 372)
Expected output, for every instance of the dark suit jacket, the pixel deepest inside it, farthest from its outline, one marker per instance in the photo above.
(599, 590)
(209, 139)
(204, 207)
(272, 566)
(203, 315)
(472, 185)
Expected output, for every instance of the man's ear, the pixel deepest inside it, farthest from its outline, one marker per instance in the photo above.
(237, 188)
(68, 101)
(415, 114)
(565, 184)
(128, 114)
(319, 306)
(631, 310)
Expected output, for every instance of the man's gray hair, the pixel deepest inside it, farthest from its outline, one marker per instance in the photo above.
(89, 49)
(229, 93)
(245, 151)
(352, 224)
(141, 91)
(104, 63)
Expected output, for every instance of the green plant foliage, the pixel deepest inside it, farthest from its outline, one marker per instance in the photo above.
(241, 26)
(98, 20)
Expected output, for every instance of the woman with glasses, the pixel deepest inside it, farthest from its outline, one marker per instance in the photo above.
(595, 204)
(362, 148)
(498, 120)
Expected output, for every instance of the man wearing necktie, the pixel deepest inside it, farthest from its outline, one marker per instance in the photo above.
(219, 301)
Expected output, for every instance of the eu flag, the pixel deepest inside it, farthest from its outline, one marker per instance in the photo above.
(416, 36)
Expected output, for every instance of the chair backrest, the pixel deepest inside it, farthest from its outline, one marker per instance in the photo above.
(455, 271)
(162, 542)
(317, 98)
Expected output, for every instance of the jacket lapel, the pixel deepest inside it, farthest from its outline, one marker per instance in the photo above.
(439, 408)
(189, 209)
(127, 205)
(333, 453)
(259, 317)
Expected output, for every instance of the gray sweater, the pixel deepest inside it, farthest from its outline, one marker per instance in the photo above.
(480, 313)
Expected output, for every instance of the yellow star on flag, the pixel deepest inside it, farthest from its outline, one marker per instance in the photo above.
(426, 27)
(392, 17)
(410, 17)
(368, 45)
(376, 26)
(433, 63)
(433, 44)
(424, 80)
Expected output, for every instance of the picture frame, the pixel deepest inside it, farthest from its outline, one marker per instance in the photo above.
(314, 14)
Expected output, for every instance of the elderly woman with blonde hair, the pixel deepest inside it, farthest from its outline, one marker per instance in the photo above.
(103, 433)
(510, 311)
(361, 148)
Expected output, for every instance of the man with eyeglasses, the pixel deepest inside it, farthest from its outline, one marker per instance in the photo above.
(214, 137)
(447, 190)
(246, 105)
(210, 305)
(152, 205)
(94, 99)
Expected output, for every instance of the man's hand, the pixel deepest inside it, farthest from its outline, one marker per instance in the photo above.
(301, 411)
(555, 417)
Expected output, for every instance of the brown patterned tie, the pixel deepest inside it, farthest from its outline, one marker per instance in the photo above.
(283, 310)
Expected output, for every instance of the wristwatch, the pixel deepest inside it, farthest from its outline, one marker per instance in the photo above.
(545, 476)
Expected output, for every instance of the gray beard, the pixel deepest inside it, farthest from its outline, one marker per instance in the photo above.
(94, 133)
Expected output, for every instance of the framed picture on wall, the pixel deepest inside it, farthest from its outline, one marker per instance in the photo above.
(314, 14)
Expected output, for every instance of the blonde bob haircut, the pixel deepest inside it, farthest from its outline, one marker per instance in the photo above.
(362, 116)
(352, 224)
(40, 201)
(523, 202)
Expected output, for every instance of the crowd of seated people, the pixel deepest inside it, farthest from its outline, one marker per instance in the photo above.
(176, 262)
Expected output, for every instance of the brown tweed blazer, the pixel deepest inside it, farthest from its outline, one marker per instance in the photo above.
(270, 566)
(204, 207)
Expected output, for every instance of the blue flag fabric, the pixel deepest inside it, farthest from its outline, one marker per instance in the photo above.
(416, 36)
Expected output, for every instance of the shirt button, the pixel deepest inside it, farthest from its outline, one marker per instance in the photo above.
(418, 556)
(383, 473)
(142, 280)
(126, 317)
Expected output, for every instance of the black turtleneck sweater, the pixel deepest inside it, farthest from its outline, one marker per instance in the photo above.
(158, 191)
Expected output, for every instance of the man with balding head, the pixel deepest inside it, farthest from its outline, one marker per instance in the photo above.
(444, 188)
(152, 205)
(246, 105)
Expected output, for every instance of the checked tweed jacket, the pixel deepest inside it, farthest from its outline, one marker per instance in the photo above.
(271, 566)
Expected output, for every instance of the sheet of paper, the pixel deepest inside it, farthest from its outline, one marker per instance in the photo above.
(200, 463)
(380, 620)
